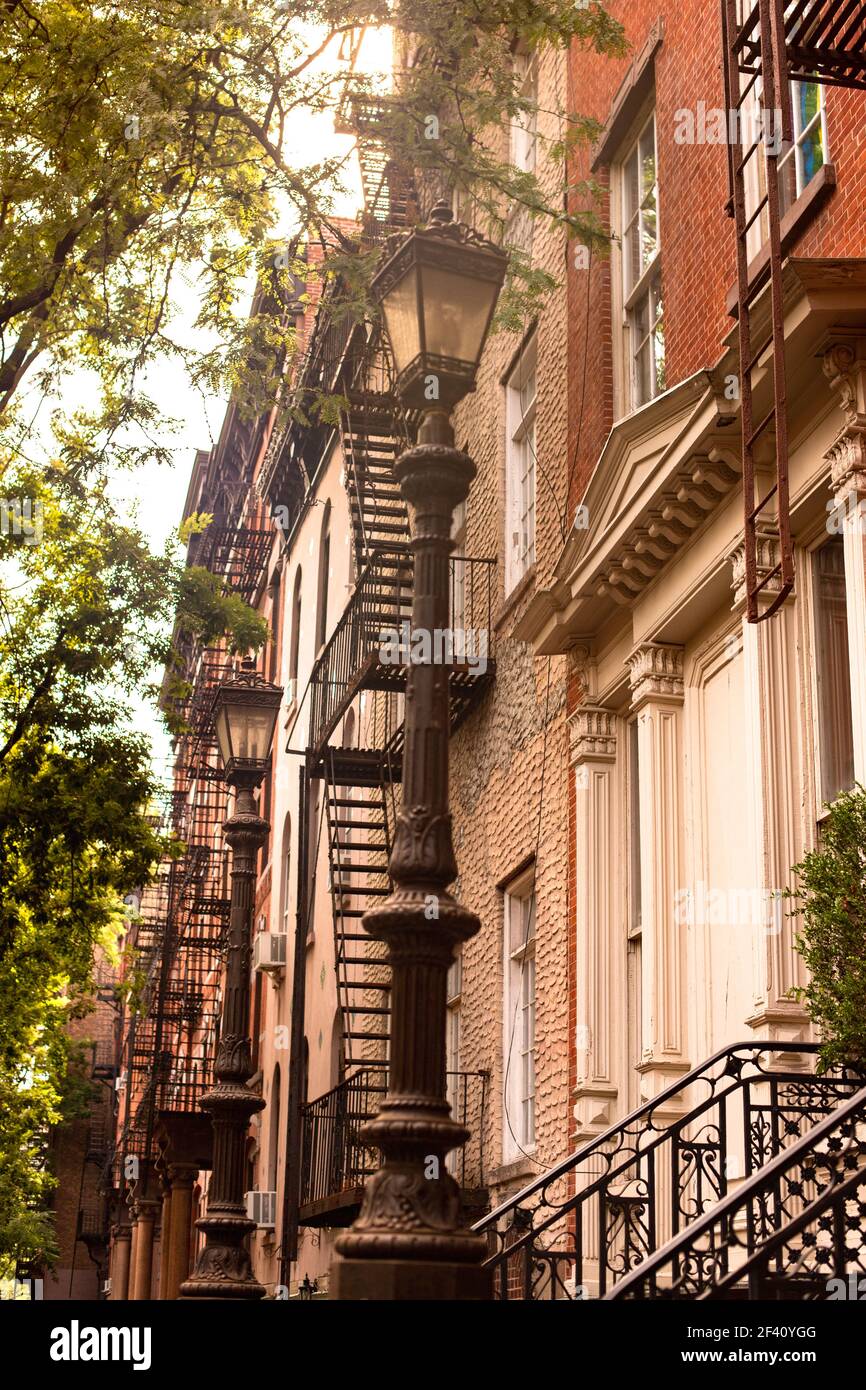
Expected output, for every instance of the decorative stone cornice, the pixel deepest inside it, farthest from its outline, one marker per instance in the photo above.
(767, 551)
(593, 735)
(698, 491)
(656, 673)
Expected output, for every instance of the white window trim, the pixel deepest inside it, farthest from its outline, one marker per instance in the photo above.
(622, 304)
(515, 976)
(519, 427)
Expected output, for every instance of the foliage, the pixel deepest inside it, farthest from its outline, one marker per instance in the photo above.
(84, 617)
(831, 901)
(146, 145)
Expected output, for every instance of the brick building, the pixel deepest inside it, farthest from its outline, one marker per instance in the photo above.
(636, 764)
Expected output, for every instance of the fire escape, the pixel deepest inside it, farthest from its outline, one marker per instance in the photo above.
(350, 795)
(767, 46)
(171, 1031)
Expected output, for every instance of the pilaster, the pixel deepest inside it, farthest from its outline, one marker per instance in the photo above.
(657, 698)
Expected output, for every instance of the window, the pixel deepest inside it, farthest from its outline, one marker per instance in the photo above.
(274, 1131)
(452, 1035)
(454, 1093)
(519, 1041)
(799, 164)
(295, 644)
(274, 643)
(458, 570)
(642, 286)
(324, 576)
(520, 469)
(832, 671)
(286, 884)
(524, 127)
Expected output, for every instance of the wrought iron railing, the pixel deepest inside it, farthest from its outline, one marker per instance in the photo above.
(334, 1160)
(370, 644)
(796, 1224)
(381, 601)
(586, 1223)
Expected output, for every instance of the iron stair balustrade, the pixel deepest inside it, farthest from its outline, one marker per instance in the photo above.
(794, 1225)
(598, 1213)
(775, 43)
(359, 847)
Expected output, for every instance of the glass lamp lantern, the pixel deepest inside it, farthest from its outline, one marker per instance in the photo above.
(438, 292)
(245, 715)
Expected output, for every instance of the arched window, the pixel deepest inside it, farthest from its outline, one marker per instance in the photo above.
(295, 644)
(274, 645)
(286, 882)
(324, 568)
(337, 1069)
(349, 729)
(274, 1134)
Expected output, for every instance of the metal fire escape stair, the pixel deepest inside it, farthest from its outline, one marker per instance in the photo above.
(359, 846)
(767, 45)
(373, 437)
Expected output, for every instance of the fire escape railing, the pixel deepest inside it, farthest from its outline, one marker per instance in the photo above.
(595, 1216)
(335, 1162)
(371, 643)
(794, 1225)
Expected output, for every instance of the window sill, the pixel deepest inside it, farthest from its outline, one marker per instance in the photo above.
(514, 1170)
(793, 225)
(512, 599)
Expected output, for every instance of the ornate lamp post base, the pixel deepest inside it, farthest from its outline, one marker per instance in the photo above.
(408, 1241)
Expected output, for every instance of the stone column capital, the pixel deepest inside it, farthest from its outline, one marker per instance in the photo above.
(656, 674)
(592, 733)
(768, 557)
(182, 1174)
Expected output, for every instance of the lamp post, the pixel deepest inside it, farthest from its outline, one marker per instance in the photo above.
(438, 292)
(245, 713)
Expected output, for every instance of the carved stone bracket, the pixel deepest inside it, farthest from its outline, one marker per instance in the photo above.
(845, 369)
(698, 490)
(656, 670)
(767, 550)
(593, 735)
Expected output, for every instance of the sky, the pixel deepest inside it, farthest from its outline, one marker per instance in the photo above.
(156, 493)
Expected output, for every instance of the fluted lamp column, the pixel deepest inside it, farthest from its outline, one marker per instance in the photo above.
(245, 713)
(438, 293)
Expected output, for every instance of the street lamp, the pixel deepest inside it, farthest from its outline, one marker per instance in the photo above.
(438, 292)
(245, 713)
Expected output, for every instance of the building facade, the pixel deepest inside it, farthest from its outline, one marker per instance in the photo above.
(648, 715)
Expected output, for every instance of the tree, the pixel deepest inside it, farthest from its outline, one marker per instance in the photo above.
(831, 902)
(139, 141)
(83, 622)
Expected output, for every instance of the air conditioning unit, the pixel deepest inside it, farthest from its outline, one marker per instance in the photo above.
(262, 1208)
(269, 951)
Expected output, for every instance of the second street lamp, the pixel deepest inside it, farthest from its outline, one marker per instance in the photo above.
(245, 714)
(438, 293)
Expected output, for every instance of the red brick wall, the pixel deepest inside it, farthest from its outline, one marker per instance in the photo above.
(697, 240)
(698, 252)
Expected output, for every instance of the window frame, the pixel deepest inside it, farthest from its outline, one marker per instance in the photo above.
(519, 1008)
(521, 466)
(646, 289)
(816, 646)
